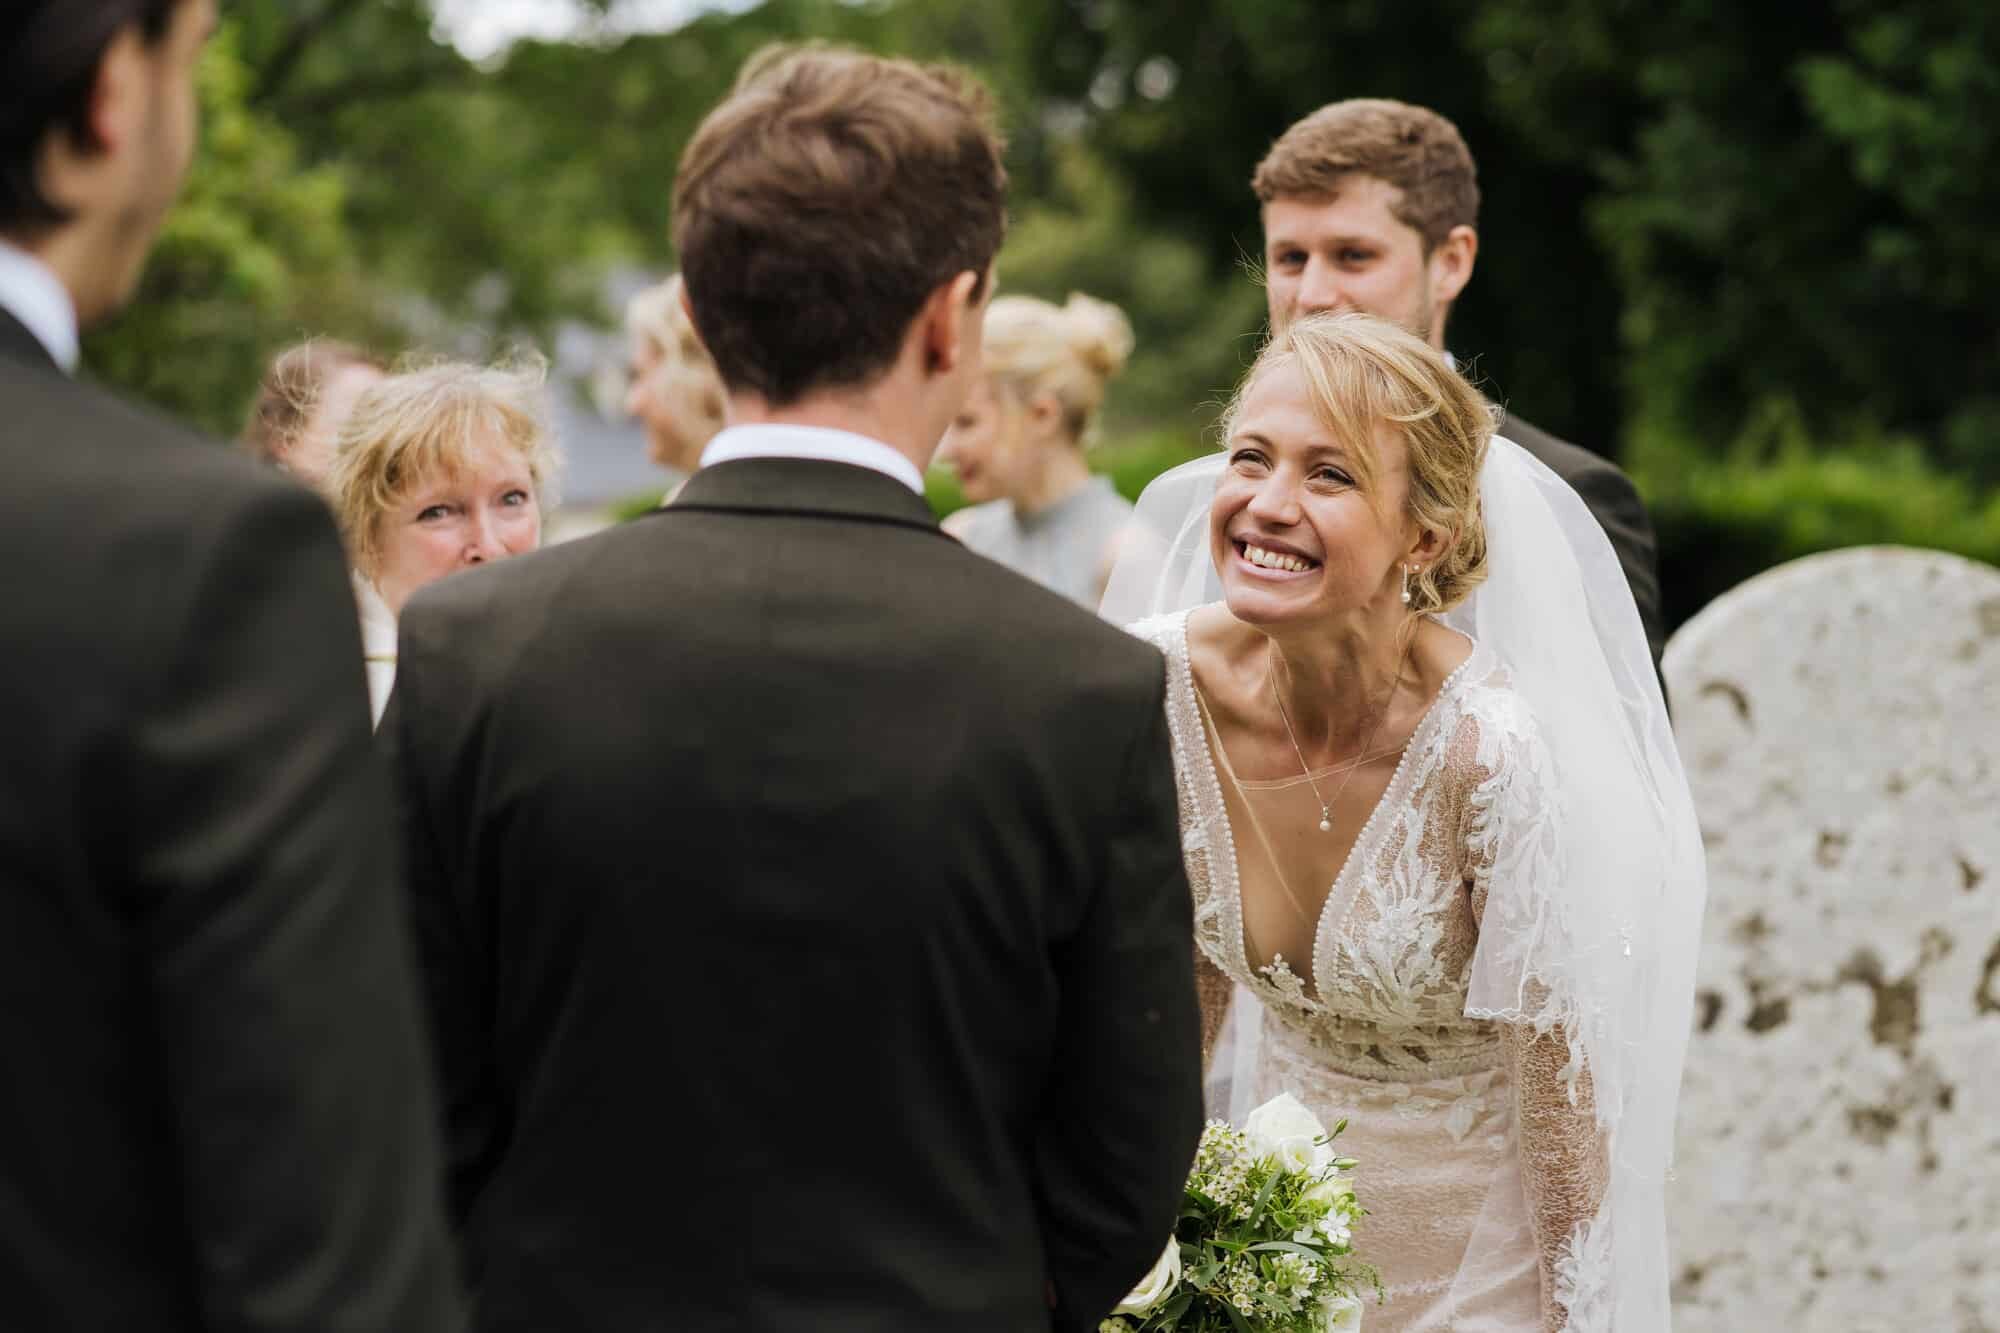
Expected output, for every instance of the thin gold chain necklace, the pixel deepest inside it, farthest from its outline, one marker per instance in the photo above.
(1325, 810)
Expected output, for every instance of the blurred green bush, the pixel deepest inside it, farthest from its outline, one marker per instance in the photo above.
(1775, 494)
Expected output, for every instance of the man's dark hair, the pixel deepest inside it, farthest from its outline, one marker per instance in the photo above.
(821, 204)
(49, 54)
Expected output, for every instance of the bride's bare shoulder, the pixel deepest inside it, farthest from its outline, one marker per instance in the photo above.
(1218, 643)
(1438, 652)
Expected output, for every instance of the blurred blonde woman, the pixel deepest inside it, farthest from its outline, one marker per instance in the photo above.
(674, 391)
(305, 393)
(1018, 444)
(436, 470)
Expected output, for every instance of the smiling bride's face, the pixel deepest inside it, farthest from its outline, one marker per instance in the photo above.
(1294, 531)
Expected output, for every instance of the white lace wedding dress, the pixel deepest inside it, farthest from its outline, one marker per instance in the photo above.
(1481, 1159)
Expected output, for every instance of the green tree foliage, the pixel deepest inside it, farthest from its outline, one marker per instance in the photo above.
(1796, 202)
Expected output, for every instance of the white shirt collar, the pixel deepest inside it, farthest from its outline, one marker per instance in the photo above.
(821, 443)
(31, 293)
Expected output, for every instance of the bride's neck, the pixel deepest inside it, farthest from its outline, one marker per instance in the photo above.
(1337, 680)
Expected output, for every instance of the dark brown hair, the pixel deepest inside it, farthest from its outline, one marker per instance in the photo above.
(822, 203)
(49, 54)
(291, 389)
(1410, 147)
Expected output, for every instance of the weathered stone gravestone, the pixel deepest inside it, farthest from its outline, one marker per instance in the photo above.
(1839, 1138)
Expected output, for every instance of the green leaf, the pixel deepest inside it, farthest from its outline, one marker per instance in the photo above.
(1288, 1247)
(1264, 1195)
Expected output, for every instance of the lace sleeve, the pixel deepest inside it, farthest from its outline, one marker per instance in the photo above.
(1515, 839)
(1212, 988)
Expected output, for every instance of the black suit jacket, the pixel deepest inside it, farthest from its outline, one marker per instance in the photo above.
(1616, 504)
(217, 1105)
(802, 906)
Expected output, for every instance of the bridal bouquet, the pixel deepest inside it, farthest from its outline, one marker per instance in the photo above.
(1265, 1238)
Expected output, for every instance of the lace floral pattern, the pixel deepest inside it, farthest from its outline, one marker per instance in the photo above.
(1582, 1279)
(1454, 1105)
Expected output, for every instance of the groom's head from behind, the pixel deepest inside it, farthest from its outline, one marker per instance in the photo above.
(837, 218)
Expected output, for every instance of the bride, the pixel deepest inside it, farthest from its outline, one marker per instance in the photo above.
(1447, 881)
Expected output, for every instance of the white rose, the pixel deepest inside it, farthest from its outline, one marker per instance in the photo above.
(1283, 1128)
(1331, 1191)
(1343, 1315)
(1157, 1285)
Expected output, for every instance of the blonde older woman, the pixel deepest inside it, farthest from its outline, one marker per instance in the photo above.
(1018, 444)
(436, 470)
(1439, 841)
(673, 390)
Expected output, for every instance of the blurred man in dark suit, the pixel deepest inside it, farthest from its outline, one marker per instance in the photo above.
(218, 1115)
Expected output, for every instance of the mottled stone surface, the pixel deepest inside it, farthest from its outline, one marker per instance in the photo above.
(1839, 1145)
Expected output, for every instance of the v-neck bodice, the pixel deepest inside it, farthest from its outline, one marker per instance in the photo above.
(1383, 994)
(1284, 858)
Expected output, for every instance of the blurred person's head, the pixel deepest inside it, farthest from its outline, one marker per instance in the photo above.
(1369, 205)
(1034, 409)
(674, 391)
(305, 394)
(1354, 452)
(441, 468)
(97, 129)
(836, 219)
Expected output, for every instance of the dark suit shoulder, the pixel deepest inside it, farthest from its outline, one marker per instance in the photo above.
(663, 547)
(1042, 615)
(1615, 502)
(139, 513)
(1569, 461)
(65, 433)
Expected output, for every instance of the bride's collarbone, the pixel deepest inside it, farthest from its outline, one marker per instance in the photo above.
(1229, 662)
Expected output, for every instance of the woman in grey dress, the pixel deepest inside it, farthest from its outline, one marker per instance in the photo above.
(1018, 444)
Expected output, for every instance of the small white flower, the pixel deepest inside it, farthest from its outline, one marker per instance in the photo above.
(1343, 1315)
(1157, 1285)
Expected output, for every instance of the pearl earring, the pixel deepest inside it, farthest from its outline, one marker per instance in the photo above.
(1406, 583)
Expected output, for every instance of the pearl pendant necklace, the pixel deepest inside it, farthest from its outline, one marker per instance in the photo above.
(1326, 810)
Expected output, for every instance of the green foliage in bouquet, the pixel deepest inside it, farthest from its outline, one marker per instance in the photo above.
(1265, 1241)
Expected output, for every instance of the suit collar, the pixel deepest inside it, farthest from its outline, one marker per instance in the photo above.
(770, 439)
(34, 296)
(18, 344)
(803, 486)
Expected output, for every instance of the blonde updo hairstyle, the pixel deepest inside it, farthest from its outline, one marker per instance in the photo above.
(1360, 371)
(685, 378)
(1070, 352)
(425, 421)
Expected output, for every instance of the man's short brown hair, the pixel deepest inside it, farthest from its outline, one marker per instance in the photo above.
(1410, 147)
(819, 206)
